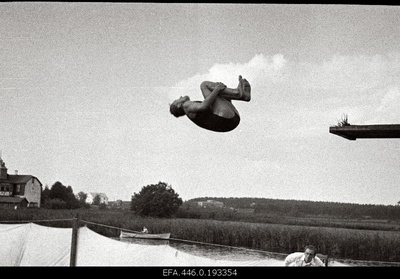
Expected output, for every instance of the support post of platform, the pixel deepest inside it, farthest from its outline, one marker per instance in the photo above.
(74, 241)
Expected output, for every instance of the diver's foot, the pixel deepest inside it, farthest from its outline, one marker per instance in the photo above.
(244, 89)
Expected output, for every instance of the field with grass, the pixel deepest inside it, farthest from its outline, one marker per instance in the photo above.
(380, 243)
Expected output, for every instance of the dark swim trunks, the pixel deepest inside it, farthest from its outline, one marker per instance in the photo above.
(210, 121)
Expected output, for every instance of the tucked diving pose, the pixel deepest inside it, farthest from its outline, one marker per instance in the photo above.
(216, 112)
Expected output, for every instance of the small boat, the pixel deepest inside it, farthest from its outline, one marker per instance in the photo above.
(144, 235)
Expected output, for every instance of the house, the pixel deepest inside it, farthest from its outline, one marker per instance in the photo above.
(120, 204)
(210, 203)
(13, 202)
(91, 196)
(115, 204)
(19, 187)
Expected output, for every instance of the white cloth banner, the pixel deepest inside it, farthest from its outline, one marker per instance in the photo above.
(35, 245)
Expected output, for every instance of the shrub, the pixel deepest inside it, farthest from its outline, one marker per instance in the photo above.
(55, 204)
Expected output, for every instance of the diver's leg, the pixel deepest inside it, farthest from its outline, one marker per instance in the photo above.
(244, 89)
(222, 106)
(242, 92)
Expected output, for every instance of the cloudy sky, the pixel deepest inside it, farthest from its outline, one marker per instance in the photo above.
(85, 91)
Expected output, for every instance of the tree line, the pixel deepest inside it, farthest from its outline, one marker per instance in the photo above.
(155, 200)
(160, 200)
(60, 196)
(298, 208)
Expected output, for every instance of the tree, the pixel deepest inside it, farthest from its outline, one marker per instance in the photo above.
(157, 200)
(97, 200)
(71, 200)
(82, 196)
(58, 191)
(63, 193)
(56, 204)
(45, 196)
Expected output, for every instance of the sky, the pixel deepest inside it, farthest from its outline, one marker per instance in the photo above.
(85, 90)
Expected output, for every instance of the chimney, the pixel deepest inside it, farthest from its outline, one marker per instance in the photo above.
(3, 170)
(16, 172)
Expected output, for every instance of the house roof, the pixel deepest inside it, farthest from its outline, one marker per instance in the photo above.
(5, 181)
(16, 178)
(11, 199)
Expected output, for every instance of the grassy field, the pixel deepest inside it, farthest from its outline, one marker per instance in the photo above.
(375, 244)
(274, 218)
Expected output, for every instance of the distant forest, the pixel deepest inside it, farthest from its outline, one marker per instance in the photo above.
(301, 208)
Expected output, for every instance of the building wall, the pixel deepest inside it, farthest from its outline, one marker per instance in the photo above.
(210, 203)
(91, 196)
(104, 200)
(89, 199)
(5, 189)
(32, 191)
(7, 205)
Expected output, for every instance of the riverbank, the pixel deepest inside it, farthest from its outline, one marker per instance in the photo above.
(340, 243)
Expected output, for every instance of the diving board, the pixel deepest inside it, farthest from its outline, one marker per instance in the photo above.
(353, 132)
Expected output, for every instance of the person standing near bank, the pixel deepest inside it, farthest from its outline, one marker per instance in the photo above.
(306, 258)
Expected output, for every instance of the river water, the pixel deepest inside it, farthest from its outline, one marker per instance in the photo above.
(232, 256)
(226, 254)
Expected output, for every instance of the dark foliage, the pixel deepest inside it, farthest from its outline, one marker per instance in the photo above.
(59, 197)
(156, 200)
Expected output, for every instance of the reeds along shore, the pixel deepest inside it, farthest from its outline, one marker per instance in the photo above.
(342, 243)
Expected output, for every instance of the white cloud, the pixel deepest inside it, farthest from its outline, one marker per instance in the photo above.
(366, 88)
(258, 68)
(387, 110)
(390, 99)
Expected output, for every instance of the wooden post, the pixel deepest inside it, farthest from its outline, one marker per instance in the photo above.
(74, 240)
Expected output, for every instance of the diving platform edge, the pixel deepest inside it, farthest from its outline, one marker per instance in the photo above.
(353, 132)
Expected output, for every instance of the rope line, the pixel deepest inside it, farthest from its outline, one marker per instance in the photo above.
(102, 225)
(227, 246)
(190, 241)
(32, 221)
